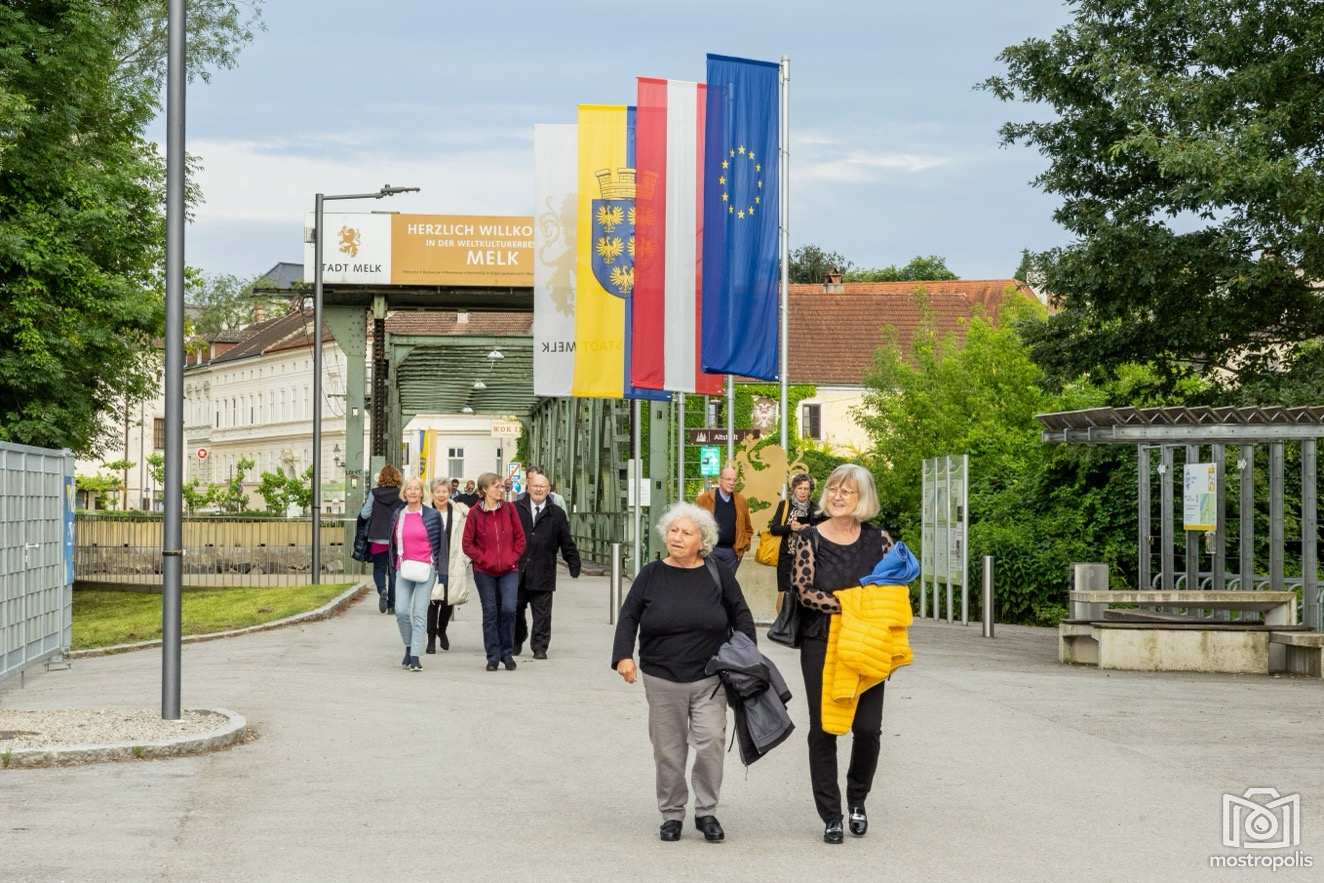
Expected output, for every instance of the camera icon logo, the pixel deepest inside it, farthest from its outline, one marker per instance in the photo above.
(1261, 818)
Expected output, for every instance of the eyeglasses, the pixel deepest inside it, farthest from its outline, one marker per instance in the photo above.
(842, 491)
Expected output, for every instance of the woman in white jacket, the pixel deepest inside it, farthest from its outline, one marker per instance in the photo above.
(456, 588)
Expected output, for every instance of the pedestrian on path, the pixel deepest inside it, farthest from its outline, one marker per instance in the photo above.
(494, 541)
(418, 555)
(547, 530)
(444, 592)
(792, 516)
(380, 508)
(682, 609)
(837, 554)
(731, 511)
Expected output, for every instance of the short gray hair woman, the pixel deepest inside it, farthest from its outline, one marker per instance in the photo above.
(681, 616)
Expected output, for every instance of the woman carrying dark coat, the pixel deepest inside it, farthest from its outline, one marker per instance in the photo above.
(380, 508)
(804, 512)
(682, 611)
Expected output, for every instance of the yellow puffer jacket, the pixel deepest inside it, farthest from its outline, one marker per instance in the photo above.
(867, 642)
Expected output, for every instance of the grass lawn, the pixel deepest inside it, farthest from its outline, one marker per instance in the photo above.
(102, 618)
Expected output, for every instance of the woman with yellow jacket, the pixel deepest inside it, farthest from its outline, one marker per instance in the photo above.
(837, 554)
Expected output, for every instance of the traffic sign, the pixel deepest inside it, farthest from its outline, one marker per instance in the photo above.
(710, 460)
(718, 436)
(203, 454)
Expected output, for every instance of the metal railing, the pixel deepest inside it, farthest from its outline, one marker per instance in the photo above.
(218, 550)
(595, 532)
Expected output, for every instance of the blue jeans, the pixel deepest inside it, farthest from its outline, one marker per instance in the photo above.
(411, 614)
(727, 556)
(384, 577)
(498, 595)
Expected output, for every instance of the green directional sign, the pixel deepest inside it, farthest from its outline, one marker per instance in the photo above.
(710, 461)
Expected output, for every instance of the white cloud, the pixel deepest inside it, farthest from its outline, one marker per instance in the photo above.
(275, 180)
(861, 166)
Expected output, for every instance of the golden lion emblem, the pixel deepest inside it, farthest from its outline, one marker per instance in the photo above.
(349, 241)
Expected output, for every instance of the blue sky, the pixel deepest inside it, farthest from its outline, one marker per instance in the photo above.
(893, 152)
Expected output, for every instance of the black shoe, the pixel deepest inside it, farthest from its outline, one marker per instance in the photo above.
(711, 828)
(832, 832)
(381, 603)
(414, 664)
(444, 641)
(859, 821)
(539, 654)
(519, 648)
(404, 663)
(670, 831)
(491, 666)
(509, 663)
(432, 644)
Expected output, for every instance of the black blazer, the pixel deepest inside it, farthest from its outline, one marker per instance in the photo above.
(552, 534)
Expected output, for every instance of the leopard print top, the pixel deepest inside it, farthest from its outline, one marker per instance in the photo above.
(842, 566)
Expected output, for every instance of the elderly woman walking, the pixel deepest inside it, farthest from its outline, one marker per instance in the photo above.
(682, 609)
(419, 559)
(792, 516)
(837, 554)
(494, 541)
(453, 515)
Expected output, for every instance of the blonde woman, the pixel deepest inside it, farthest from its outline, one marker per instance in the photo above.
(418, 559)
(453, 514)
(836, 554)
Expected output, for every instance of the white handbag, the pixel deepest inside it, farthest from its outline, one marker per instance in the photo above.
(415, 571)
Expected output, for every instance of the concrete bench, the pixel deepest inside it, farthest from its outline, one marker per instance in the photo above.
(1301, 652)
(1278, 608)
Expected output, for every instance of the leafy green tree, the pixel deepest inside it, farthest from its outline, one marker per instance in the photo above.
(82, 206)
(299, 489)
(100, 487)
(920, 269)
(196, 498)
(809, 263)
(273, 489)
(156, 468)
(231, 496)
(1184, 144)
(225, 302)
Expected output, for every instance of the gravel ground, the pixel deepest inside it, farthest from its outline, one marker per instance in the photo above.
(22, 729)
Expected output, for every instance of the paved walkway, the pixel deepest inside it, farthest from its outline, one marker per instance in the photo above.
(998, 764)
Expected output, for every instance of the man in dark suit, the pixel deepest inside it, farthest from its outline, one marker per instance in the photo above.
(547, 531)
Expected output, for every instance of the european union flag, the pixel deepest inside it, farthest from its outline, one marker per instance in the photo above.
(741, 260)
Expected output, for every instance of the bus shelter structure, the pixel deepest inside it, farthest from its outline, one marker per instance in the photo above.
(1231, 439)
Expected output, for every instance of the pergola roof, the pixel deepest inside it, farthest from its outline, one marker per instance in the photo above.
(437, 375)
(1182, 425)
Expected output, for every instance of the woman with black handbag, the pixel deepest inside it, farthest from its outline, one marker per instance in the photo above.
(792, 516)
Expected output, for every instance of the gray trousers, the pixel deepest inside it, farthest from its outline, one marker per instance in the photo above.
(680, 717)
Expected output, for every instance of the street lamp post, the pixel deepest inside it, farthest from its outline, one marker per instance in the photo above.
(320, 199)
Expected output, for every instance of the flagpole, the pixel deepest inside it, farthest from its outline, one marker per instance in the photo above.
(680, 448)
(730, 419)
(783, 132)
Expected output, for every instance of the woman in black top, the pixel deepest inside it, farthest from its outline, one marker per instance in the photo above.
(803, 512)
(837, 554)
(682, 611)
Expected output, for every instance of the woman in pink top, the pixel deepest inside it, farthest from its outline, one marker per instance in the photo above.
(416, 540)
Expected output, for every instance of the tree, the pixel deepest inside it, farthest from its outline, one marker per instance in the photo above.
(196, 499)
(272, 489)
(224, 302)
(809, 263)
(920, 269)
(231, 496)
(82, 207)
(1186, 149)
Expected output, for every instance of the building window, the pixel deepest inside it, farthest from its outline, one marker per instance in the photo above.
(252, 411)
(455, 463)
(811, 423)
(158, 432)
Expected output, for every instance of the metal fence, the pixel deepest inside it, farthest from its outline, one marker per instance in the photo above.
(594, 533)
(218, 550)
(36, 576)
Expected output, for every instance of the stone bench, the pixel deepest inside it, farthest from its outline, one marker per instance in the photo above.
(1301, 652)
(1278, 608)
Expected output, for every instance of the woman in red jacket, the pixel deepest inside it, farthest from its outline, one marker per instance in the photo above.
(494, 541)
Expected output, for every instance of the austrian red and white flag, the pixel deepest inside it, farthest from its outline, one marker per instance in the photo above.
(668, 259)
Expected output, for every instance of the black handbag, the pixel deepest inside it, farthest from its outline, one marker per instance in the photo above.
(784, 628)
(360, 552)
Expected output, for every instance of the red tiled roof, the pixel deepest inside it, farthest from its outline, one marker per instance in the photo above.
(446, 322)
(834, 335)
(290, 331)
